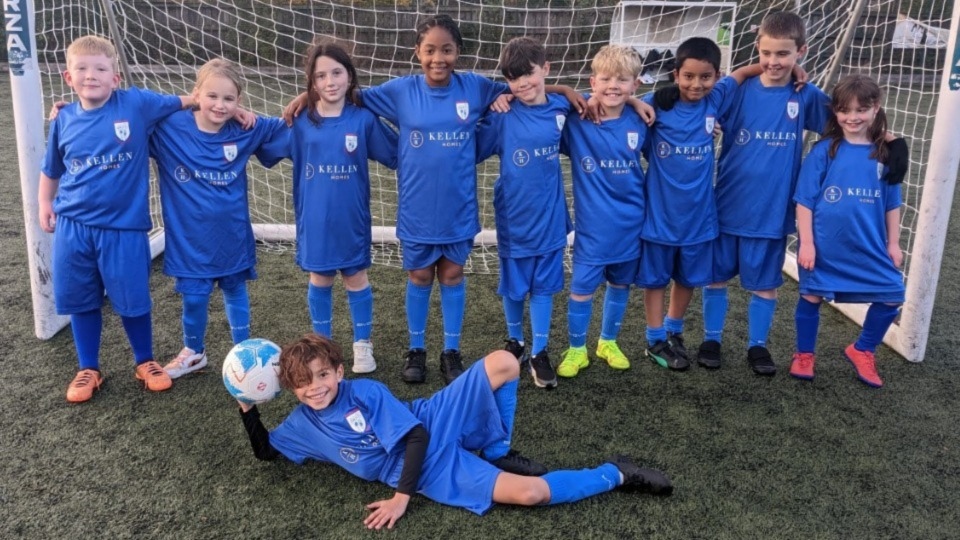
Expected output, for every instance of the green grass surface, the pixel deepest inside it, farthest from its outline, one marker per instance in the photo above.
(750, 457)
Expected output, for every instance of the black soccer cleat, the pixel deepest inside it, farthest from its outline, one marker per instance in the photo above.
(515, 463)
(760, 361)
(641, 479)
(544, 376)
(665, 356)
(451, 365)
(516, 349)
(676, 343)
(414, 366)
(709, 355)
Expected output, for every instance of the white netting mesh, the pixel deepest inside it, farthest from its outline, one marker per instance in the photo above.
(900, 42)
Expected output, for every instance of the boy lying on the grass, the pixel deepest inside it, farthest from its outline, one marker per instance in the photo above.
(428, 445)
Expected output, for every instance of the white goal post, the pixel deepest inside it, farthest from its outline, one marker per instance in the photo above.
(905, 44)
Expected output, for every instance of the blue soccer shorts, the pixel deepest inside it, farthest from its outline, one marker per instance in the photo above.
(462, 418)
(536, 275)
(587, 277)
(88, 261)
(417, 255)
(204, 286)
(758, 261)
(350, 271)
(690, 266)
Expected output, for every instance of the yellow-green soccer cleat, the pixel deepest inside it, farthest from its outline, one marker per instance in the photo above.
(610, 351)
(574, 359)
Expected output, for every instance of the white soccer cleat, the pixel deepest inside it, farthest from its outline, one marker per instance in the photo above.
(363, 361)
(187, 361)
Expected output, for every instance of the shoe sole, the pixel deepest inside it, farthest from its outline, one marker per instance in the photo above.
(187, 370)
(146, 385)
(359, 368)
(801, 377)
(413, 380)
(864, 381)
(540, 383)
(609, 363)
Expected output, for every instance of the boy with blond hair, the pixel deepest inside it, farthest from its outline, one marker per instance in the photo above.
(609, 206)
(93, 196)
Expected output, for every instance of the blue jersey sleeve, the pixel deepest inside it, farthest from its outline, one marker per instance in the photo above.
(488, 136)
(381, 100)
(155, 106)
(816, 108)
(274, 141)
(812, 173)
(893, 196)
(53, 165)
(722, 95)
(382, 142)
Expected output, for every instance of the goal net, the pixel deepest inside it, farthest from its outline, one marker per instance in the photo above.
(903, 43)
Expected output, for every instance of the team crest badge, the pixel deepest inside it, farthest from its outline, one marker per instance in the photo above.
(122, 129)
(880, 169)
(561, 121)
(633, 139)
(182, 174)
(230, 151)
(709, 123)
(463, 110)
(350, 143)
(356, 420)
(793, 109)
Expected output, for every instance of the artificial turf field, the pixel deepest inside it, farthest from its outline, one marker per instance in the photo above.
(750, 457)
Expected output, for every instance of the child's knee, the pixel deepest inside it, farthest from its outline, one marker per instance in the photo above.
(501, 365)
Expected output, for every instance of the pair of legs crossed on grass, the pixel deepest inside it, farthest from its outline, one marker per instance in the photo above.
(562, 486)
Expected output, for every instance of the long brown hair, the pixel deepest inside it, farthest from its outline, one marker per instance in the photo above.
(868, 94)
(339, 55)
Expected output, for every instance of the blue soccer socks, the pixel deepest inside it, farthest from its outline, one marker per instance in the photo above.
(236, 302)
(506, 398)
(140, 333)
(87, 327)
(195, 320)
(807, 319)
(715, 304)
(418, 308)
(760, 319)
(656, 335)
(513, 314)
(879, 318)
(571, 486)
(578, 320)
(361, 312)
(541, 314)
(614, 306)
(453, 301)
(673, 326)
(320, 303)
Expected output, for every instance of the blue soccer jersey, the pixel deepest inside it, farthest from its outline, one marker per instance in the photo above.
(849, 202)
(101, 159)
(608, 187)
(682, 209)
(528, 198)
(360, 431)
(203, 188)
(331, 182)
(437, 174)
(760, 159)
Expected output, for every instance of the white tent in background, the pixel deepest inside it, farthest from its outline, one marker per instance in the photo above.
(912, 34)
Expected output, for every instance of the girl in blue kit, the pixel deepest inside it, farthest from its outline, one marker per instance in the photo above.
(437, 114)
(330, 147)
(201, 157)
(848, 221)
(426, 446)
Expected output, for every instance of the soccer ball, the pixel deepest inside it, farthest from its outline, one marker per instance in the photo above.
(251, 371)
